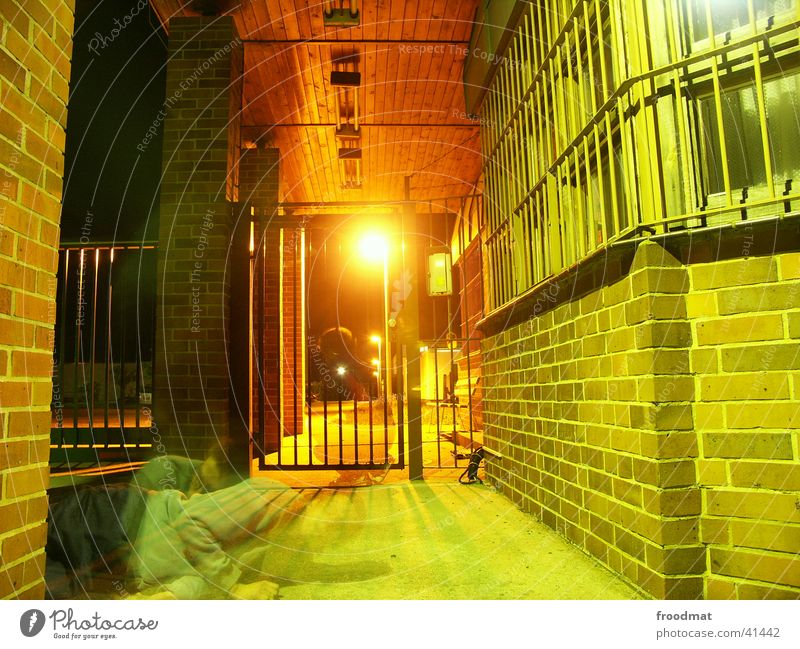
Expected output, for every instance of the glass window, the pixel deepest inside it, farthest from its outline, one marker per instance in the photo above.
(732, 15)
(744, 149)
(671, 156)
(782, 96)
(619, 190)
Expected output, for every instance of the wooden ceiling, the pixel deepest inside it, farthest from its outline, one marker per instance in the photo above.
(410, 56)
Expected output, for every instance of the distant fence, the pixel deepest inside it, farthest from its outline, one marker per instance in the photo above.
(103, 356)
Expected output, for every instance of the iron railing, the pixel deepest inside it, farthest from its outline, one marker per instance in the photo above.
(452, 410)
(607, 119)
(103, 351)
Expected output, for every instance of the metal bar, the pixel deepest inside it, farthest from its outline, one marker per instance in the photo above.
(80, 313)
(306, 362)
(341, 431)
(355, 424)
(93, 347)
(407, 201)
(469, 390)
(108, 339)
(310, 430)
(386, 397)
(437, 403)
(371, 432)
(453, 403)
(354, 41)
(325, 424)
(400, 407)
(62, 347)
(103, 245)
(138, 371)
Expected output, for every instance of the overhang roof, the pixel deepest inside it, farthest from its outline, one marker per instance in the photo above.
(411, 55)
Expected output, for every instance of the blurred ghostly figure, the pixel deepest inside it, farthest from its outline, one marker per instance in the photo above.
(338, 349)
(153, 533)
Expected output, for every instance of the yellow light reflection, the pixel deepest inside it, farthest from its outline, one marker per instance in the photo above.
(373, 246)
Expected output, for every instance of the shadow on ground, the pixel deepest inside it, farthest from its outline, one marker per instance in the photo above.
(418, 541)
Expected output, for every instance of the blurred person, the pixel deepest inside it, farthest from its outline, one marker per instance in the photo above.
(168, 532)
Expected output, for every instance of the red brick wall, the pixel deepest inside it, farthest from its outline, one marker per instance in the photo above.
(192, 390)
(258, 185)
(35, 50)
(292, 353)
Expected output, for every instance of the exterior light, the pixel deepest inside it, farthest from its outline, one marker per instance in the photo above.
(341, 370)
(423, 349)
(376, 362)
(373, 247)
(375, 339)
(440, 279)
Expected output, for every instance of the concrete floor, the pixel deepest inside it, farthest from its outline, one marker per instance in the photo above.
(421, 540)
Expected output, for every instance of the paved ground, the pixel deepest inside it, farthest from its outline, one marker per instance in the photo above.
(420, 541)
(435, 539)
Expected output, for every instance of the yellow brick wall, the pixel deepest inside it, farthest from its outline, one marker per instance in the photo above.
(746, 365)
(590, 406)
(35, 50)
(654, 423)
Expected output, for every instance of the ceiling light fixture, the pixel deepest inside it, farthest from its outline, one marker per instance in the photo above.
(341, 13)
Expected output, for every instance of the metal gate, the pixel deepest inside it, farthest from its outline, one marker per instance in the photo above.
(309, 412)
(452, 412)
(345, 433)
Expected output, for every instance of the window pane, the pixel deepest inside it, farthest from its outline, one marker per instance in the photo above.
(743, 138)
(730, 15)
(671, 157)
(745, 153)
(783, 124)
(711, 165)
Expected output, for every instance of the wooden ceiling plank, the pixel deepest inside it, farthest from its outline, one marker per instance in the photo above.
(369, 80)
(437, 12)
(275, 17)
(292, 86)
(396, 16)
(369, 19)
(411, 13)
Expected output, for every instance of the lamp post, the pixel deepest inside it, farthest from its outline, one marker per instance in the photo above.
(378, 341)
(374, 248)
(388, 381)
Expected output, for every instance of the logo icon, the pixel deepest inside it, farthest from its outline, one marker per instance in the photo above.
(31, 622)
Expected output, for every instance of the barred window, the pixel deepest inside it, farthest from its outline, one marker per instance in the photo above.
(744, 148)
(730, 16)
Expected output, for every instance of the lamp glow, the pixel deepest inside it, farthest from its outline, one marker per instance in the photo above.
(373, 247)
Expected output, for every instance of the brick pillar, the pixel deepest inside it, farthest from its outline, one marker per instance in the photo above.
(200, 176)
(292, 332)
(258, 185)
(665, 458)
(34, 70)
